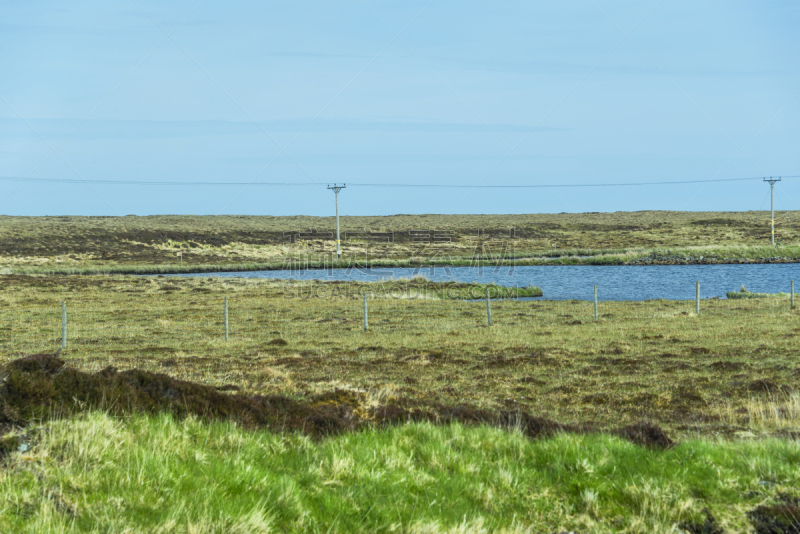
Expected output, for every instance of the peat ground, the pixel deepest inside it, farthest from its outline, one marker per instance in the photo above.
(86, 243)
(40, 387)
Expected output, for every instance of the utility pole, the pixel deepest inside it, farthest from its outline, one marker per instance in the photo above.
(772, 181)
(336, 189)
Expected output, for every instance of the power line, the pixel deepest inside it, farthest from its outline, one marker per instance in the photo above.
(536, 186)
(377, 185)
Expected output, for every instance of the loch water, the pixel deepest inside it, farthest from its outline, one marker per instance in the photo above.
(564, 282)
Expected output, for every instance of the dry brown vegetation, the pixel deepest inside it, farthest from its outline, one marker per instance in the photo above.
(40, 387)
(91, 241)
(723, 372)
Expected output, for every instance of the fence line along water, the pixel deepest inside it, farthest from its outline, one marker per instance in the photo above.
(143, 322)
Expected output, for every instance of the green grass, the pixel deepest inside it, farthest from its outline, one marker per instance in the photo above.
(154, 474)
(424, 288)
(748, 295)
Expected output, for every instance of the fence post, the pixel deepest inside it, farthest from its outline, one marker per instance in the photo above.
(226, 318)
(366, 322)
(697, 298)
(595, 303)
(488, 308)
(63, 325)
(792, 295)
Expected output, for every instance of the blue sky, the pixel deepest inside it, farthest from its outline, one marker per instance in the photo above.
(410, 92)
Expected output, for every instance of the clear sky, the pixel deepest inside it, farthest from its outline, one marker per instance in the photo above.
(490, 93)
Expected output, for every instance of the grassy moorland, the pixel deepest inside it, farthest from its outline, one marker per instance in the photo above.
(717, 373)
(429, 422)
(292, 424)
(149, 245)
(96, 473)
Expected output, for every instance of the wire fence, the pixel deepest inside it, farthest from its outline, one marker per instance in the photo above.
(249, 319)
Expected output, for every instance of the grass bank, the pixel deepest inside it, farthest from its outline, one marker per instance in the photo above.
(421, 287)
(744, 294)
(289, 263)
(96, 473)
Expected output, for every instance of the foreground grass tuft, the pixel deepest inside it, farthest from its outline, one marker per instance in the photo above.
(96, 473)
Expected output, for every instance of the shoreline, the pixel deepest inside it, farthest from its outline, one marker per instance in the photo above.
(594, 261)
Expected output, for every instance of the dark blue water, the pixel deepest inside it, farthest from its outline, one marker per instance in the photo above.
(560, 282)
